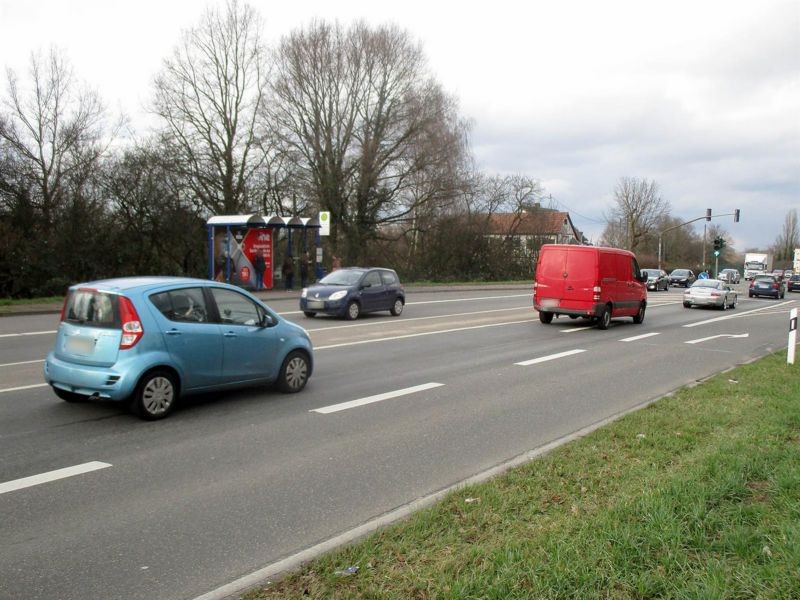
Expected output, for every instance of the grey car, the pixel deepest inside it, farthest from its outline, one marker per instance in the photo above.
(710, 292)
(730, 275)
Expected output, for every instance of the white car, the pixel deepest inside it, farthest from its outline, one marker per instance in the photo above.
(730, 275)
(710, 292)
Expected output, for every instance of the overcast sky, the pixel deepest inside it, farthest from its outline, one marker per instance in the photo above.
(701, 96)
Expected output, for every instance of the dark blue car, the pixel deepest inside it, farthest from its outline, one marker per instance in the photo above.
(349, 292)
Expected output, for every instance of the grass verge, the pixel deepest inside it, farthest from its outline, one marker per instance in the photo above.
(695, 496)
(28, 301)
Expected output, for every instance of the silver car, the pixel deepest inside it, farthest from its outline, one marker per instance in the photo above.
(730, 275)
(710, 292)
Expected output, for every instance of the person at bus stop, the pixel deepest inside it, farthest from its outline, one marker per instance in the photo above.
(335, 263)
(287, 270)
(305, 261)
(259, 265)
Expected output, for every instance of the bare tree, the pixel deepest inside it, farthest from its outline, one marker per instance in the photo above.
(51, 130)
(208, 95)
(356, 107)
(638, 208)
(789, 237)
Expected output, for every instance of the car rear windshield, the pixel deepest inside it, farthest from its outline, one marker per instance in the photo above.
(92, 308)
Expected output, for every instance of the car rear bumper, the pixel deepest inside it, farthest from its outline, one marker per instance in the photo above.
(590, 312)
(101, 382)
(715, 302)
(770, 293)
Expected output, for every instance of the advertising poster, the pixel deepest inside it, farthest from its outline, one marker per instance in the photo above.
(251, 257)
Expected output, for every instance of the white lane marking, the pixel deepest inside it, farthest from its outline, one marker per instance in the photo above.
(24, 387)
(25, 482)
(577, 329)
(24, 362)
(391, 322)
(542, 359)
(325, 410)
(528, 295)
(413, 335)
(739, 314)
(639, 337)
(5, 335)
(721, 335)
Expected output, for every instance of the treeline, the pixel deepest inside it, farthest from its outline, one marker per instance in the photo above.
(340, 119)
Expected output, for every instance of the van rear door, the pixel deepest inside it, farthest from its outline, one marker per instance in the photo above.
(579, 276)
(550, 276)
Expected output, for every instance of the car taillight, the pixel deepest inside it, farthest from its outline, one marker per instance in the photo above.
(775, 286)
(132, 329)
(596, 295)
(716, 294)
(64, 308)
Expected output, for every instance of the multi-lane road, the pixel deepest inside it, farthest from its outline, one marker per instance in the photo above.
(97, 504)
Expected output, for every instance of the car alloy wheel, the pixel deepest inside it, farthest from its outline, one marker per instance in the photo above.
(294, 373)
(397, 309)
(155, 396)
(353, 310)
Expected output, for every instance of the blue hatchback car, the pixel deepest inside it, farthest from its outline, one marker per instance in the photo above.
(150, 340)
(352, 291)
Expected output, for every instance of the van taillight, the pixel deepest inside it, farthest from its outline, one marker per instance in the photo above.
(596, 296)
(132, 329)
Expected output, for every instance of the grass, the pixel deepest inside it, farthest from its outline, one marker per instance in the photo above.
(695, 496)
(29, 301)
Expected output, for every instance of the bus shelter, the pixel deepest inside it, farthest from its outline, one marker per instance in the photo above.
(242, 248)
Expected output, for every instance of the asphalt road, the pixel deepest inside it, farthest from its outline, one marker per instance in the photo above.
(397, 409)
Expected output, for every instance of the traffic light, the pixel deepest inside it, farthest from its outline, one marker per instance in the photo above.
(736, 216)
(708, 214)
(717, 245)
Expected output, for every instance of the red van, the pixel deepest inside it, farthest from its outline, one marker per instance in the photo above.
(589, 281)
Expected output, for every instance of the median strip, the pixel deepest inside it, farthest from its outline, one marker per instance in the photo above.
(377, 398)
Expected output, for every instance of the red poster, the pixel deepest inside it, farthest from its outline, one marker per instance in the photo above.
(258, 242)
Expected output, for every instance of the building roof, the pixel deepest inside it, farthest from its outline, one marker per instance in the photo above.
(538, 221)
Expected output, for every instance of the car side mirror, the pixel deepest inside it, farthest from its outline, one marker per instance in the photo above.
(643, 278)
(365, 285)
(267, 320)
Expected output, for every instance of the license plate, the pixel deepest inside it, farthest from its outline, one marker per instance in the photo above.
(315, 304)
(549, 302)
(80, 345)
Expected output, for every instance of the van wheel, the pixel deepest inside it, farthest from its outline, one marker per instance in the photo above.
(605, 319)
(545, 317)
(155, 396)
(639, 317)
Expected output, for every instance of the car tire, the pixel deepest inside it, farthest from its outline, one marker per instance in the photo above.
(724, 305)
(352, 311)
(751, 295)
(294, 372)
(638, 318)
(155, 396)
(309, 314)
(545, 317)
(604, 320)
(735, 301)
(397, 308)
(69, 396)
(687, 305)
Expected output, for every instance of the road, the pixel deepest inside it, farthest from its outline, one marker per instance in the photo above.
(397, 409)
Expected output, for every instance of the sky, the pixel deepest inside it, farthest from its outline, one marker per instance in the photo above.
(703, 97)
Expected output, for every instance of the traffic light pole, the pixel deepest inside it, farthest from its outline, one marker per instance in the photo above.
(707, 217)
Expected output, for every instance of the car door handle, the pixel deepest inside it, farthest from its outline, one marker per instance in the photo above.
(229, 334)
(173, 332)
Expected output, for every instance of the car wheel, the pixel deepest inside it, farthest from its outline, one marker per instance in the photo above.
(735, 301)
(155, 396)
(687, 305)
(309, 314)
(353, 310)
(751, 295)
(69, 396)
(605, 319)
(724, 304)
(639, 317)
(397, 309)
(545, 317)
(294, 372)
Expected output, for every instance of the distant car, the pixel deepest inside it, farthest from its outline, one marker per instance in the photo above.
(150, 340)
(352, 291)
(656, 279)
(682, 278)
(730, 275)
(710, 292)
(767, 285)
(793, 285)
(777, 273)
